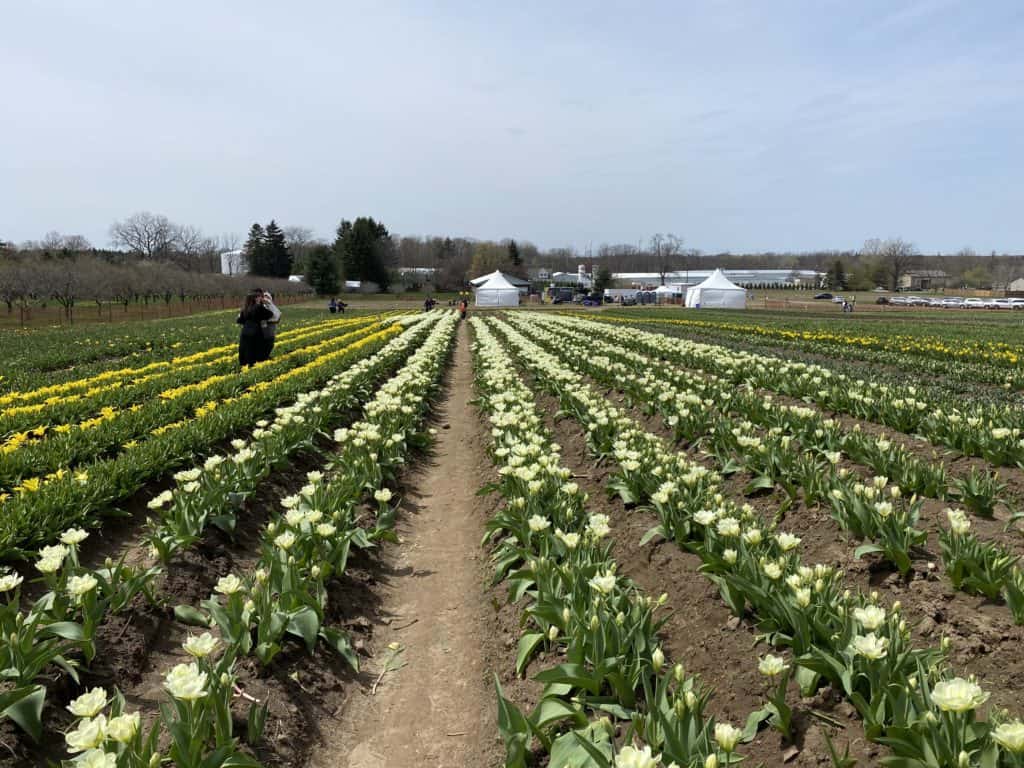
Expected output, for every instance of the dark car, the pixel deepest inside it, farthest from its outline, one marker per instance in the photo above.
(629, 301)
(882, 300)
(824, 296)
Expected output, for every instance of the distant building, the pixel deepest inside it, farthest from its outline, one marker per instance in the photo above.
(1016, 287)
(748, 278)
(578, 278)
(923, 279)
(234, 263)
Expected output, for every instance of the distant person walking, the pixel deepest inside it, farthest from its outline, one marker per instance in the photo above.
(251, 317)
(463, 307)
(269, 326)
(332, 306)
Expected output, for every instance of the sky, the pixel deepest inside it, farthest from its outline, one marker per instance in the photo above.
(741, 126)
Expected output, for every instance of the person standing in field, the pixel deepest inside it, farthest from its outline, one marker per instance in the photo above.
(463, 306)
(269, 326)
(251, 317)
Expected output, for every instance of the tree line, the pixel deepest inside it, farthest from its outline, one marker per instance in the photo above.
(364, 250)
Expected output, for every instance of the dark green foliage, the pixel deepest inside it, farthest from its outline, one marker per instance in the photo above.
(255, 250)
(513, 254)
(278, 259)
(365, 250)
(837, 275)
(322, 271)
(602, 279)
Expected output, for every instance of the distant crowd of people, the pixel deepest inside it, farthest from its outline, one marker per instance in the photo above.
(463, 306)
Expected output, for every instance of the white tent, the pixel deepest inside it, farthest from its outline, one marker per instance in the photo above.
(518, 282)
(497, 292)
(717, 291)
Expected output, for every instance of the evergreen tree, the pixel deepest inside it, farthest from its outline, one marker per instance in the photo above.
(277, 260)
(255, 250)
(838, 275)
(602, 279)
(322, 272)
(513, 254)
(365, 248)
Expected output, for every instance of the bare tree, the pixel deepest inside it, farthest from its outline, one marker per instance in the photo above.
(53, 241)
(148, 235)
(188, 243)
(300, 241)
(666, 250)
(76, 244)
(896, 256)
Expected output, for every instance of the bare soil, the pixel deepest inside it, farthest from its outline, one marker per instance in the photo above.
(436, 706)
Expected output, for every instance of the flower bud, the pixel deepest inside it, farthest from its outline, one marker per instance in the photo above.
(108, 563)
(677, 673)
(225, 679)
(691, 699)
(594, 623)
(620, 619)
(154, 761)
(657, 660)
(315, 571)
(896, 606)
(566, 615)
(711, 761)
(964, 761)
(249, 606)
(680, 708)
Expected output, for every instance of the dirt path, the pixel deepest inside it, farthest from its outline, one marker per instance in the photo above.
(437, 709)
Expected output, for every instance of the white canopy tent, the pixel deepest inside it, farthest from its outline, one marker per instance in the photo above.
(518, 282)
(717, 292)
(497, 292)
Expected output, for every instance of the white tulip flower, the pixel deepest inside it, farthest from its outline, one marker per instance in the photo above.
(89, 704)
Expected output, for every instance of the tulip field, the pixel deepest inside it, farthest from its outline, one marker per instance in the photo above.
(701, 542)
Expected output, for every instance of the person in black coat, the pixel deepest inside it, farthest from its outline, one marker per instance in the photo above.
(251, 317)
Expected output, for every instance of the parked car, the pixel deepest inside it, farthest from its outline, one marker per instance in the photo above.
(1001, 304)
(953, 302)
(973, 303)
(838, 299)
(629, 301)
(1016, 303)
(823, 296)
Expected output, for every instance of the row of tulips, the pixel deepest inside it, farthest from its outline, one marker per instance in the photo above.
(906, 695)
(994, 432)
(138, 352)
(212, 492)
(64, 498)
(555, 559)
(59, 412)
(719, 396)
(62, 623)
(957, 357)
(799, 453)
(67, 445)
